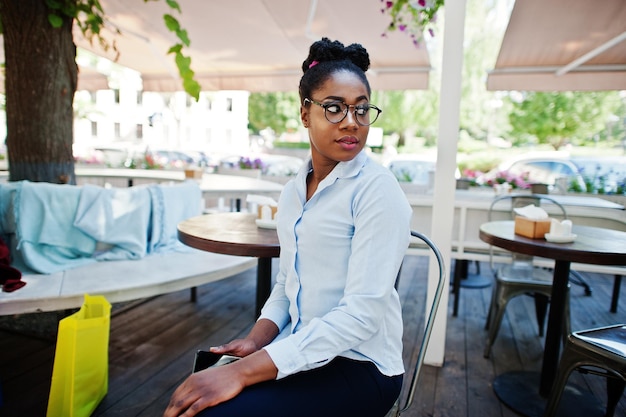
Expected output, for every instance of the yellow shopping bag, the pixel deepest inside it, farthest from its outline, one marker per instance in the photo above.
(80, 375)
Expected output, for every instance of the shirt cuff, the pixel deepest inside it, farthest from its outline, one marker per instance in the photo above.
(288, 358)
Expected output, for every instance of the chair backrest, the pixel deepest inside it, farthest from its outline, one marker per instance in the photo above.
(504, 207)
(430, 321)
(513, 201)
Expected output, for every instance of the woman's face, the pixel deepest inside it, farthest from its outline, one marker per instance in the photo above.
(333, 143)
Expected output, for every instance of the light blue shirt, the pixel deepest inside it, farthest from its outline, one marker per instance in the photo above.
(339, 256)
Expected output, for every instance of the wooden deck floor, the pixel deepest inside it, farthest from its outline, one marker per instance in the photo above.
(153, 342)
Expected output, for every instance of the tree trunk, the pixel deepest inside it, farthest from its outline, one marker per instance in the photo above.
(40, 82)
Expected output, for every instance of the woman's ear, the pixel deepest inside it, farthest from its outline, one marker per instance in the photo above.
(304, 116)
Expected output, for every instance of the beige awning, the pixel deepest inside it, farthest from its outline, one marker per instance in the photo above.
(563, 45)
(91, 80)
(257, 45)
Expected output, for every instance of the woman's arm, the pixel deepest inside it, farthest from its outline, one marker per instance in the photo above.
(218, 384)
(215, 385)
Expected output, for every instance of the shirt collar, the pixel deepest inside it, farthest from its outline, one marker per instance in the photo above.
(345, 169)
(350, 168)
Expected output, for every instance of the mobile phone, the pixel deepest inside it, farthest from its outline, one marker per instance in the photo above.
(205, 359)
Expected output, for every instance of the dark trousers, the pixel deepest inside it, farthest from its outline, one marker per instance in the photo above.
(343, 388)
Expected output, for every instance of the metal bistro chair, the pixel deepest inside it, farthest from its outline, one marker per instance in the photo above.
(600, 351)
(520, 276)
(396, 410)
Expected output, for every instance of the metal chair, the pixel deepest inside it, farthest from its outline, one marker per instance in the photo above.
(520, 276)
(589, 350)
(396, 410)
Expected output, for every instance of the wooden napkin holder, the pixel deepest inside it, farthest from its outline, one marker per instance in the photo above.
(534, 229)
(195, 174)
(269, 211)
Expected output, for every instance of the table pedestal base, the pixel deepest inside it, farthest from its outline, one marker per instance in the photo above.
(469, 280)
(462, 278)
(476, 281)
(263, 283)
(519, 390)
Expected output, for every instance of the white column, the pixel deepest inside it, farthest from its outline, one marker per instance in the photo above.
(443, 197)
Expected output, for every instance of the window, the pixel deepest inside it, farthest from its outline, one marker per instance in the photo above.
(229, 104)
(118, 130)
(139, 132)
(94, 129)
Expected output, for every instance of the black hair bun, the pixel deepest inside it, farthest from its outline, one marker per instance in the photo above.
(327, 50)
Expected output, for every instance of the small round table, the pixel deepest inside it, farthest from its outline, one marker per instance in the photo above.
(593, 245)
(235, 234)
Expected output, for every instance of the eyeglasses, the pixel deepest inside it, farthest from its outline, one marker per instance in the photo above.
(336, 111)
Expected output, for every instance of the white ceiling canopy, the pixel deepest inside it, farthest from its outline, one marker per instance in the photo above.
(256, 45)
(563, 45)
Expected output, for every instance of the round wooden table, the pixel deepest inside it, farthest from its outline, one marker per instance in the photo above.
(235, 234)
(593, 245)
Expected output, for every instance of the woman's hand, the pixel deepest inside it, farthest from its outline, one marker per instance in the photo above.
(215, 385)
(262, 333)
(237, 347)
(204, 389)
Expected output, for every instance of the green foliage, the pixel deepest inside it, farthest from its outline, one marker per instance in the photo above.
(560, 118)
(292, 145)
(467, 144)
(173, 5)
(89, 17)
(408, 111)
(480, 163)
(172, 24)
(55, 20)
(482, 115)
(273, 110)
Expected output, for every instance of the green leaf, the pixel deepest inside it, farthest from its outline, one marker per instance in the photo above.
(55, 21)
(98, 6)
(175, 49)
(171, 23)
(183, 63)
(69, 9)
(174, 5)
(182, 35)
(192, 88)
(53, 4)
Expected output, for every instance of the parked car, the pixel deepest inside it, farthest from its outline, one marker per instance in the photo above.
(114, 155)
(170, 158)
(603, 174)
(202, 159)
(537, 169)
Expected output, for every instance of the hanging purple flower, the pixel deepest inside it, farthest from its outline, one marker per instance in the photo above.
(413, 17)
